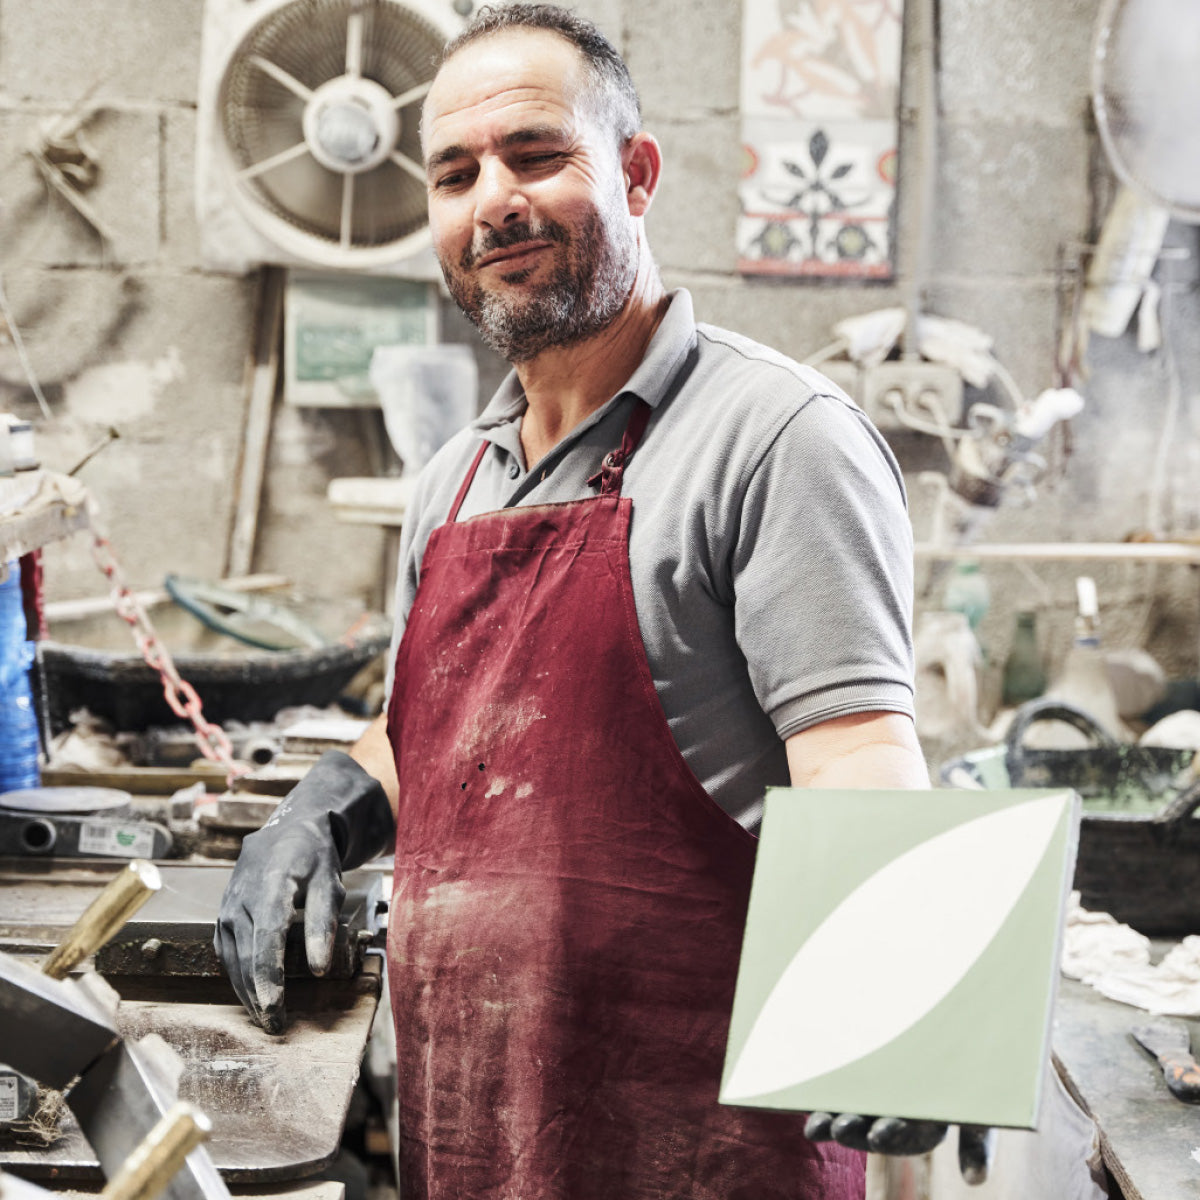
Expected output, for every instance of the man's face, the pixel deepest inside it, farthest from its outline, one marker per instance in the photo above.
(526, 194)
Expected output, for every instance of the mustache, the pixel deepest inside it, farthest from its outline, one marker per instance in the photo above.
(513, 235)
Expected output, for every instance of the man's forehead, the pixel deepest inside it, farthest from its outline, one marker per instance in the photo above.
(512, 70)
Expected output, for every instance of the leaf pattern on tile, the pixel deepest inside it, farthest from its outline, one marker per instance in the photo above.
(840, 52)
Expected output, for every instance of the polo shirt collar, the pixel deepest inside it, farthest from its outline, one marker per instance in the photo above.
(674, 337)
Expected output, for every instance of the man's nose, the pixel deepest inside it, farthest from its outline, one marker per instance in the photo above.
(499, 199)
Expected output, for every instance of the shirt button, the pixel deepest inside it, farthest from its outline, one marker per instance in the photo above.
(514, 469)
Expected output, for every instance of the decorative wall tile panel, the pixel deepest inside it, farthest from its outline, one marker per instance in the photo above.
(820, 83)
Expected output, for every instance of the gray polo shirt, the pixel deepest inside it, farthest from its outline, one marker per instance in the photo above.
(770, 546)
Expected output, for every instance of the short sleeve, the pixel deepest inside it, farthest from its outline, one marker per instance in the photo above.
(822, 571)
(407, 575)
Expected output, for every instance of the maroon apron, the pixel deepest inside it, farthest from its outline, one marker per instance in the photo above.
(569, 901)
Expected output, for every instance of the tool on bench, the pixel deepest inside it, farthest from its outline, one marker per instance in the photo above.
(147, 1171)
(173, 934)
(77, 822)
(159, 1155)
(127, 892)
(1169, 1041)
(61, 1034)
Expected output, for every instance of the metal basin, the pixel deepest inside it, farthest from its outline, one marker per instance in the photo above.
(1139, 844)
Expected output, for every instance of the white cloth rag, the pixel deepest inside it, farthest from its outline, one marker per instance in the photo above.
(1115, 960)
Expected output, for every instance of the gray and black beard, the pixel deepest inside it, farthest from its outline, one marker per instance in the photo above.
(585, 294)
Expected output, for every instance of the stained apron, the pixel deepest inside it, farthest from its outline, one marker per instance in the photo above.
(568, 900)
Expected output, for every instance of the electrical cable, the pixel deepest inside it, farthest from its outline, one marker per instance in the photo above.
(19, 344)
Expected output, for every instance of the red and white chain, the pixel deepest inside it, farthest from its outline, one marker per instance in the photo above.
(180, 695)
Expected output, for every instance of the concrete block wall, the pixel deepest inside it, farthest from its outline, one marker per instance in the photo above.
(135, 333)
(130, 331)
(1021, 189)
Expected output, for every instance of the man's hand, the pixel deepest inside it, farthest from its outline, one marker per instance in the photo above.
(281, 869)
(894, 1135)
(335, 818)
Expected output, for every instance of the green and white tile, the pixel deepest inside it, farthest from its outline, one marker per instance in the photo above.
(901, 953)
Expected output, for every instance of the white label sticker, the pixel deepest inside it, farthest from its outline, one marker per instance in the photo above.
(9, 1098)
(115, 840)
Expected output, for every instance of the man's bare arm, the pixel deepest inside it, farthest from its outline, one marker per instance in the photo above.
(862, 750)
(373, 752)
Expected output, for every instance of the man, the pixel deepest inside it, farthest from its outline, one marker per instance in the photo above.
(666, 568)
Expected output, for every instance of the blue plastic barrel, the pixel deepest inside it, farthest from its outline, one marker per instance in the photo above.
(18, 720)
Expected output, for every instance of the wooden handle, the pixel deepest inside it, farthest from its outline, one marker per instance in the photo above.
(158, 1156)
(1177, 811)
(127, 892)
(1183, 1078)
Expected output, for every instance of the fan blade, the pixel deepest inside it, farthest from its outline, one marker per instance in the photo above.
(412, 94)
(403, 161)
(281, 76)
(354, 45)
(276, 160)
(347, 211)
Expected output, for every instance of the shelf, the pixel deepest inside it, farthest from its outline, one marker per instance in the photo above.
(37, 507)
(372, 500)
(1152, 552)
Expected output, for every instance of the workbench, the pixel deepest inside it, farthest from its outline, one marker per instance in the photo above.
(1150, 1140)
(278, 1104)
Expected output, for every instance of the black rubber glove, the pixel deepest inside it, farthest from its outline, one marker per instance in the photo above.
(335, 818)
(894, 1135)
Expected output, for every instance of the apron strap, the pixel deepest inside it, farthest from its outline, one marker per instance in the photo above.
(613, 467)
(465, 487)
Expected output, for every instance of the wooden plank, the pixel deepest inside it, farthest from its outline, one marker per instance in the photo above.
(28, 530)
(1166, 552)
(138, 781)
(262, 383)
(371, 501)
(324, 1189)
(92, 606)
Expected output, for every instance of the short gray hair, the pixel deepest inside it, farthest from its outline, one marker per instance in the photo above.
(615, 97)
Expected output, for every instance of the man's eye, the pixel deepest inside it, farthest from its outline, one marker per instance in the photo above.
(538, 160)
(450, 180)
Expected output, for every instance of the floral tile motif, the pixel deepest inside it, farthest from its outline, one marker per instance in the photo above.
(820, 83)
(814, 206)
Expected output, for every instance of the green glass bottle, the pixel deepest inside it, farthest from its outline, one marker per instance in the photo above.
(1024, 671)
(967, 592)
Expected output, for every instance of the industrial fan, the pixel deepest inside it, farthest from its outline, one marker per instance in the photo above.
(308, 146)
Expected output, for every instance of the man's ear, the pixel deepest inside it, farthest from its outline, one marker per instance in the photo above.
(641, 161)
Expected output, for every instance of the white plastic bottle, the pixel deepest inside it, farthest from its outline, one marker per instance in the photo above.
(1083, 680)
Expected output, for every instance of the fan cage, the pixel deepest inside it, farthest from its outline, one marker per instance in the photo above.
(300, 201)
